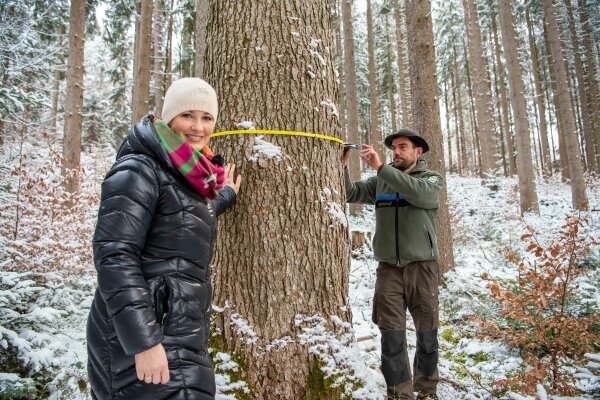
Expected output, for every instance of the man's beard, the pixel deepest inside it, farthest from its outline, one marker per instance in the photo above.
(402, 164)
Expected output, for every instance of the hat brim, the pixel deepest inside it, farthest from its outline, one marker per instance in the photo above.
(417, 141)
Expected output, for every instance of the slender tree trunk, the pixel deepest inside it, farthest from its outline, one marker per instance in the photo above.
(482, 97)
(141, 85)
(201, 20)
(282, 253)
(448, 131)
(591, 84)
(352, 128)
(499, 117)
(475, 149)
(169, 49)
(403, 70)
(572, 147)
(426, 111)
(539, 101)
(374, 125)
(186, 57)
(527, 190)
(158, 72)
(508, 143)
(74, 100)
(58, 75)
(458, 116)
(390, 76)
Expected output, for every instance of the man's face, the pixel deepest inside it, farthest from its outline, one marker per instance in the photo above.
(405, 153)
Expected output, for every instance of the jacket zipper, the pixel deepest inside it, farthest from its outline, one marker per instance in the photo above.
(396, 231)
(430, 240)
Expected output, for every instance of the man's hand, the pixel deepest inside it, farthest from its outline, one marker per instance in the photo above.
(230, 179)
(151, 366)
(370, 157)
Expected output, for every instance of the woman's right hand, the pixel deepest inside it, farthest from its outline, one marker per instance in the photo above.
(230, 178)
(152, 366)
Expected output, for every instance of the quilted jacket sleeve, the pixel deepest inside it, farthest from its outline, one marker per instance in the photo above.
(226, 198)
(129, 195)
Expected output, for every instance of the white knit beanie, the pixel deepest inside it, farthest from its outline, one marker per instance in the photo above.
(189, 94)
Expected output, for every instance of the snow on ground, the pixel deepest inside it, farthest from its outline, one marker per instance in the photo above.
(485, 225)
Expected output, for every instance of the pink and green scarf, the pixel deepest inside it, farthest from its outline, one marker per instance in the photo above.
(204, 176)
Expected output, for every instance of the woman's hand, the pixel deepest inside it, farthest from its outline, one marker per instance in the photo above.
(152, 366)
(229, 178)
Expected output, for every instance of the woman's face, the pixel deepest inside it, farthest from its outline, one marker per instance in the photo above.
(195, 127)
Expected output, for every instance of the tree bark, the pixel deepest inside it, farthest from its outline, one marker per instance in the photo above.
(352, 135)
(458, 117)
(159, 76)
(141, 84)
(572, 146)
(283, 251)
(539, 100)
(390, 77)
(74, 99)
(169, 47)
(591, 83)
(508, 142)
(403, 70)
(201, 20)
(339, 57)
(482, 96)
(527, 191)
(374, 125)
(426, 111)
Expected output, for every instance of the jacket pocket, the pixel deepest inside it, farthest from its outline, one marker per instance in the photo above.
(162, 301)
(429, 240)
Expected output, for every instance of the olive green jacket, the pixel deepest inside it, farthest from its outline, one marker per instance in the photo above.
(405, 212)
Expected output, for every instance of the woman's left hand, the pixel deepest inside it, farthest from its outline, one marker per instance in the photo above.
(230, 179)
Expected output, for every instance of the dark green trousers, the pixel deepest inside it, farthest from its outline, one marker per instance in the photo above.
(413, 287)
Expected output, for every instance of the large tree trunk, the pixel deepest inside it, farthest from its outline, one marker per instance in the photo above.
(403, 75)
(141, 84)
(374, 126)
(590, 81)
(158, 72)
(482, 97)
(339, 57)
(539, 101)
(201, 20)
(283, 252)
(74, 100)
(351, 95)
(527, 191)
(572, 146)
(426, 111)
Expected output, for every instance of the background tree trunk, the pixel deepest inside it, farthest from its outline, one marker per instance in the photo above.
(566, 110)
(352, 135)
(201, 19)
(426, 112)
(390, 77)
(482, 97)
(58, 75)
(374, 126)
(403, 73)
(527, 191)
(158, 68)
(539, 100)
(283, 250)
(74, 100)
(141, 84)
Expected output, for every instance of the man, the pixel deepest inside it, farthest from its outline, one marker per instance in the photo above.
(406, 198)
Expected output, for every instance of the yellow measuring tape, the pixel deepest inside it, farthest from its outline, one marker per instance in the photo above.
(272, 132)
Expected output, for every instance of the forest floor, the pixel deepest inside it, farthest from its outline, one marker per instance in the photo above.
(43, 316)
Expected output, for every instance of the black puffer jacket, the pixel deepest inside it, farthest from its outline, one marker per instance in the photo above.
(152, 250)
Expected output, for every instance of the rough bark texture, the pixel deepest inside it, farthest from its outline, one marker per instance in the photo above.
(74, 100)
(482, 95)
(403, 73)
(201, 18)
(158, 72)
(539, 101)
(141, 84)
(590, 81)
(582, 93)
(527, 191)
(566, 110)
(339, 57)
(374, 125)
(284, 249)
(426, 111)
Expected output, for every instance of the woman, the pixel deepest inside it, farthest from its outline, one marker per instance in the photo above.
(150, 319)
